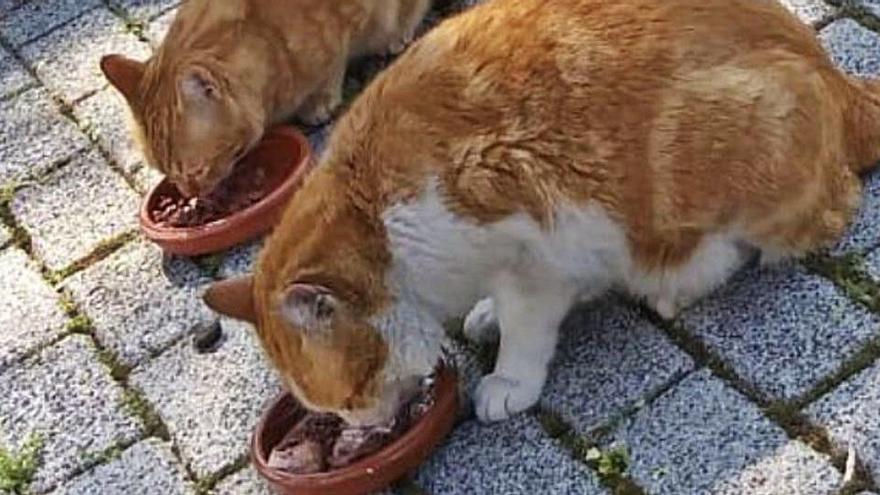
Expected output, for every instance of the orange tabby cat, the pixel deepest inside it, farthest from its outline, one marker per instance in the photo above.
(228, 69)
(537, 155)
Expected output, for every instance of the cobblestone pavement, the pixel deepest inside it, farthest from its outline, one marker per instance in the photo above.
(771, 386)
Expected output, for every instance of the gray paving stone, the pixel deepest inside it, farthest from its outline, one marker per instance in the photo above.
(66, 397)
(67, 60)
(13, 77)
(33, 136)
(511, 457)
(851, 414)
(809, 11)
(244, 482)
(7, 6)
(30, 315)
(781, 329)
(210, 402)
(240, 260)
(157, 29)
(852, 47)
(873, 6)
(702, 437)
(105, 114)
(608, 360)
(36, 18)
(146, 468)
(75, 209)
(142, 10)
(140, 301)
(863, 233)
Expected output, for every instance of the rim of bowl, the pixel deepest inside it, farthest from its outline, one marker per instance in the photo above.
(446, 401)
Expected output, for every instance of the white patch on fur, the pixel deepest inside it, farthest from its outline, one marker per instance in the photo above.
(443, 264)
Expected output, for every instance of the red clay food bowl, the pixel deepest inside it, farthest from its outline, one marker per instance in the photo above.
(370, 474)
(284, 154)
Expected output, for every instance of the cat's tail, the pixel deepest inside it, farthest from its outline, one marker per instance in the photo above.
(863, 124)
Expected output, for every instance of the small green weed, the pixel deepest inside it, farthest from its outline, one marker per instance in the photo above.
(17, 469)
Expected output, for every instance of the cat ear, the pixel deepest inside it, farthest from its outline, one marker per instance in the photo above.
(124, 74)
(308, 307)
(233, 297)
(198, 84)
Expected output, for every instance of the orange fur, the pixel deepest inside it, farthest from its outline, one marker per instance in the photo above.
(680, 118)
(228, 69)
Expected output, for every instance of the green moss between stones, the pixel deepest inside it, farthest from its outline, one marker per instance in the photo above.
(17, 469)
(137, 405)
(610, 465)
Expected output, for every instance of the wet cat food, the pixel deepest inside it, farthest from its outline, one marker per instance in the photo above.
(244, 188)
(321, 442)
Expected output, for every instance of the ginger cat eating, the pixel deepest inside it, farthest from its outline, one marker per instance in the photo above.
(229, 69)
(536, 156)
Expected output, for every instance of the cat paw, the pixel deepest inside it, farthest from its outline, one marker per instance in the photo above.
(319, 115)
(499, 397)
(400, 45)
(320, 110)
(666, 308)
(481, 324)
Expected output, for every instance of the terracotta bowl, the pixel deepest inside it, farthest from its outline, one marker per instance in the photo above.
(370, 474)
(285, 155)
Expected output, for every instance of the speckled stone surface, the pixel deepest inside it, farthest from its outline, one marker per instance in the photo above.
(104, 115)
(240, 260)
(159, 27)
(7, 6)
(852, 47)
(34, 136)
(210, 402)
(140, 301)
(36, 18)
(852, 416)
(608, 360)
(873, 6)
(141, 10)
(781, 329)
(809, 11)
(702, 437)
(67, 398)
(5, 236)
(13, 77)
(75, 209)
(25, 297)
(147, 468)
(511, 457)
(67, 60)
(244, 482)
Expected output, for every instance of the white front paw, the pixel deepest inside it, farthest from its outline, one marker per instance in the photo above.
(499, 397)
(481, 324)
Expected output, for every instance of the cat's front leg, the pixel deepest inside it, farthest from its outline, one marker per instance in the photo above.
(529, 316)
(320, 107)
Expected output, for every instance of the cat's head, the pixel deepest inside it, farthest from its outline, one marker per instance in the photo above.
(330, 354)
(192, 121)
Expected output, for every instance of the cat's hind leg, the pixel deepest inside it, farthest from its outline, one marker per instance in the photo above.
(668, 290)
(529, 314)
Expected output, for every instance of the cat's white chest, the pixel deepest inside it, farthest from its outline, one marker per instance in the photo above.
(449, 262)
